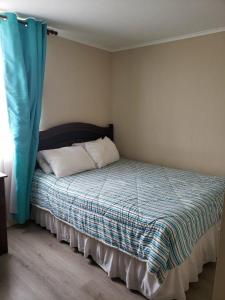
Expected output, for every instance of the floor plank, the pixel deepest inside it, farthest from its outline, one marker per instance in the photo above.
(39, 267)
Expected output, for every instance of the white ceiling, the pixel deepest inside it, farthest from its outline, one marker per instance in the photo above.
(123, 24)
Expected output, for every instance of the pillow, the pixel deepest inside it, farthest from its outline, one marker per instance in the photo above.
(68, 160)
(102, 151)
(83, 143)
(43, 163)
(79, 144)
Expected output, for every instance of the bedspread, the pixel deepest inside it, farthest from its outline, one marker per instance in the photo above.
(153, 213)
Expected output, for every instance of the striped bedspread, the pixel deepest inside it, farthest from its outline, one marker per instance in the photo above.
(153, 213)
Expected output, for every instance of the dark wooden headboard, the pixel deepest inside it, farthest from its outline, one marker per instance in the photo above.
(67, 134)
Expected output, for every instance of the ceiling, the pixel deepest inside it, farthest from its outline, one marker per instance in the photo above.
(122, 24)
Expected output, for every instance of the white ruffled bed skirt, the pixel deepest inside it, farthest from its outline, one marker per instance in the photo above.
(129, 269)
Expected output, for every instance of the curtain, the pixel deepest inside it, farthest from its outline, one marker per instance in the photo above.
(23, 47)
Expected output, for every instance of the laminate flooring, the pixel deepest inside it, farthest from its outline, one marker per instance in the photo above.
(38, 267)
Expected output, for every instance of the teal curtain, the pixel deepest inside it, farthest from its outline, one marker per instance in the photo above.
(23, 47)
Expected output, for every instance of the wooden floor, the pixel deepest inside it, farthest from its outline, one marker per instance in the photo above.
(39, 267)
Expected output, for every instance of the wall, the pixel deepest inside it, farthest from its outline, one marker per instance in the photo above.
(168, 100)
(169, 103)
(77, 84)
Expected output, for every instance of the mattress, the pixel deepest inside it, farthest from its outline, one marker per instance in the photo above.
(153, 213)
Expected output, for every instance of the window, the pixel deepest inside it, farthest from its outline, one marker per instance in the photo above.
(5, 136)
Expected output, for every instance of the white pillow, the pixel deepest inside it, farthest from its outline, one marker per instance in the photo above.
(83, 143)
(79, 144)
(102, 151)
(43, 163)
(68, 160)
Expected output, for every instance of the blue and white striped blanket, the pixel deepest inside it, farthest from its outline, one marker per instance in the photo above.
(154, 213)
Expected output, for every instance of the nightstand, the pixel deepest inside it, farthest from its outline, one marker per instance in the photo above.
(3, 227)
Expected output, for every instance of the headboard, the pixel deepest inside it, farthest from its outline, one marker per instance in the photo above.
(67, 134)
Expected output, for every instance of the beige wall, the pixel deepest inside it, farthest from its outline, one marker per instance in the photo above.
(77, 84)
(169, 103)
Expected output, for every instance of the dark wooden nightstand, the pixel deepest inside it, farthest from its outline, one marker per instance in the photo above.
(3, 227)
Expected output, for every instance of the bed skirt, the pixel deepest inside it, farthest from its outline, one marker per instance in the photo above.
(129, 269)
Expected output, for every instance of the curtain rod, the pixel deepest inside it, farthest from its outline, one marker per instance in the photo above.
(49, 30)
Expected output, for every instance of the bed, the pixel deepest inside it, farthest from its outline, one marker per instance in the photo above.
(151, 226)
